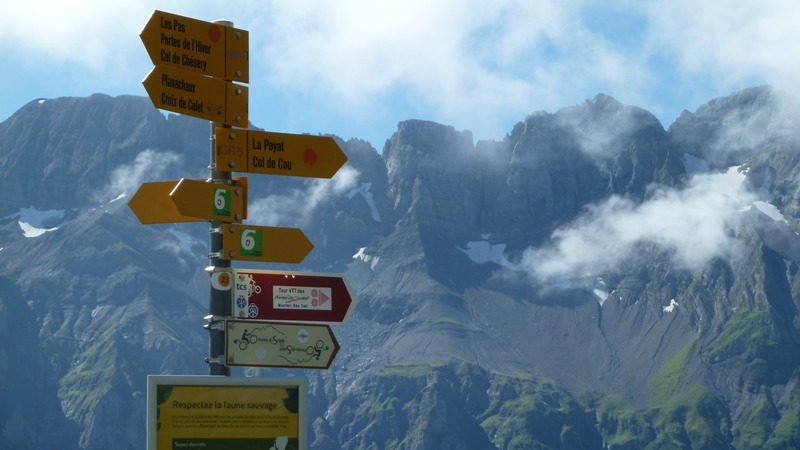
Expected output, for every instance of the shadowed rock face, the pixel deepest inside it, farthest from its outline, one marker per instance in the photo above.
(457, 342)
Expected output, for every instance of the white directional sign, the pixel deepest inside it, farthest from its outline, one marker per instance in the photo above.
(273, 344)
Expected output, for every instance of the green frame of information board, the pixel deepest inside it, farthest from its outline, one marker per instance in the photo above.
(216, 412)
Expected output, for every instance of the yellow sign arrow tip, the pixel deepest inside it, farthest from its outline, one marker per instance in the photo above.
(265, 244)
(151, 204)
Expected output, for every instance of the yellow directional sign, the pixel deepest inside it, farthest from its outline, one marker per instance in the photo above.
(265, 244)
(152, 204)
(271, 153)
(273, 344)
(197, 46)
(199, 198)
(196, 95)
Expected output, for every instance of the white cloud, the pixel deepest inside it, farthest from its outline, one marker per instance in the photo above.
(691, 224)
(477, 65)
(601, 126)
(87, 32)
(356, 67)
(148, 165)
(296, 207)
(728, 43)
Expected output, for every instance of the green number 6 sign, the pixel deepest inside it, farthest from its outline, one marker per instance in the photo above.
(222, 202)
(250, 243)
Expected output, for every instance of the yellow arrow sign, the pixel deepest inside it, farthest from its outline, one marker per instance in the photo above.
(197, 46)
(199, 198)
(151, 204)
(271, 153)
(195, 95)
(264, 244)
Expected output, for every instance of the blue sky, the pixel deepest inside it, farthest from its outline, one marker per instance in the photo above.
(355, 68)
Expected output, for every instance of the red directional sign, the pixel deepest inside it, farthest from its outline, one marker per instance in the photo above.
(273, 344)
(292, 296)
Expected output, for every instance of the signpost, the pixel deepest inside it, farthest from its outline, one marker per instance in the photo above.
(206, 200)
(291, 296)
(189, 44)
(152, 204)
(273, 344)
(196, 65)
(271, 153)
(264, 244)
(196, 95)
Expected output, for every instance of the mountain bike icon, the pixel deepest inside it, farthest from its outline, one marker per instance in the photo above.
(317, 349)
(247, 338)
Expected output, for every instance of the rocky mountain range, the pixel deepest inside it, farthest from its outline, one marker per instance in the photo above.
(591, 280)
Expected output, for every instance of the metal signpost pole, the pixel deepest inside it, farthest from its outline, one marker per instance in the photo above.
(220, 269)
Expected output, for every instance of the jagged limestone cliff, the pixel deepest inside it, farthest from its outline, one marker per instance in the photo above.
(512, 293)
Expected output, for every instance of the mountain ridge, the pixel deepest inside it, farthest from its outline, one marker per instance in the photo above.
(576, 266)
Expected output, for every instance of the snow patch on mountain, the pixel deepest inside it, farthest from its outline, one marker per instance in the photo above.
(97, 310)
(482, 252)
(600, 291)
(34, 222)
(671, 307)
(694, 165)
(369, 259)
(366, 194)
(770, 210)
(736, 175)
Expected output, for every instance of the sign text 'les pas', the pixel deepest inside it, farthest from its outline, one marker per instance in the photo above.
(207, 48)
